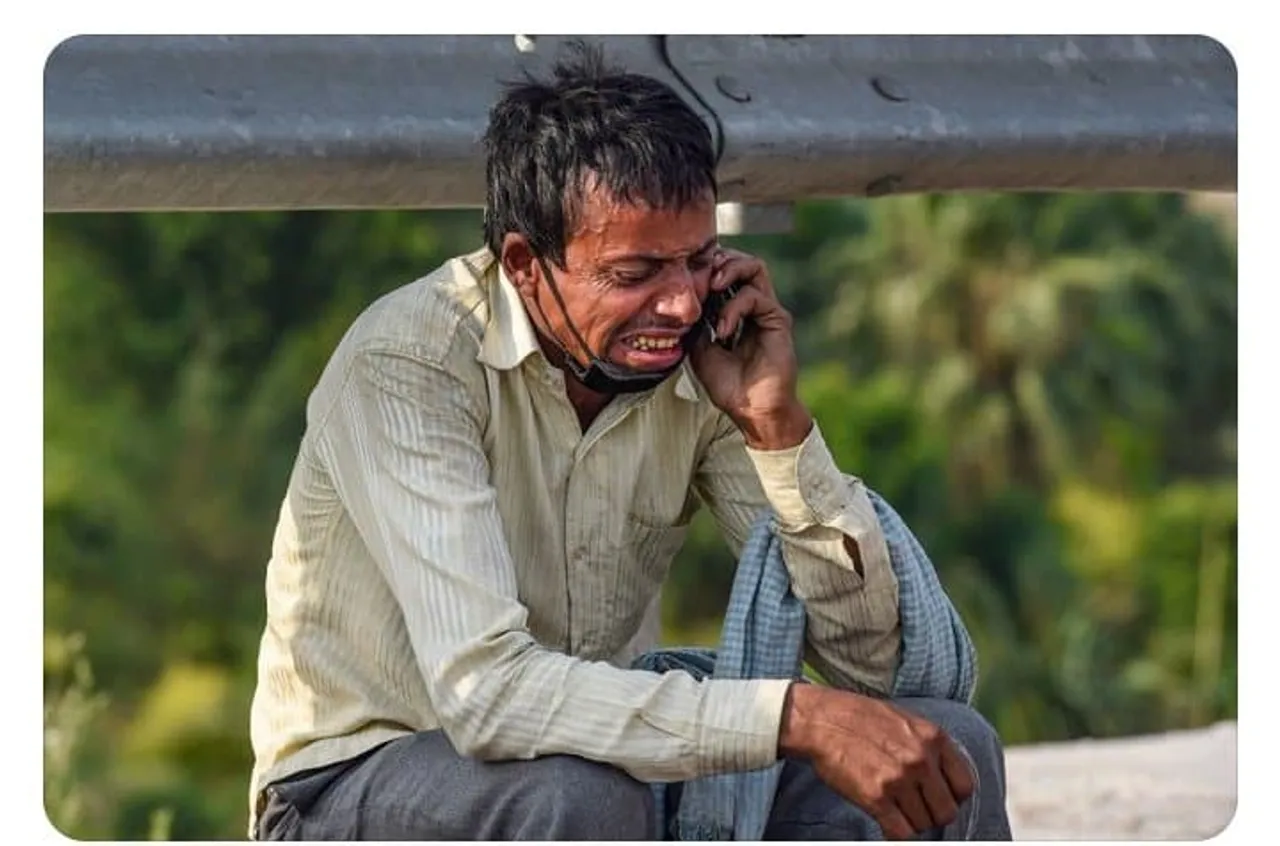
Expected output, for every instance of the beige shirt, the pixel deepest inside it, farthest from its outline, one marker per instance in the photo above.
(454, 552)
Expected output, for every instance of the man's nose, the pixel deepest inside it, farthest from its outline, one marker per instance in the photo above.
(680, 300)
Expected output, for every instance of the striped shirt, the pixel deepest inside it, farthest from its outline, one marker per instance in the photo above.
(453, 551)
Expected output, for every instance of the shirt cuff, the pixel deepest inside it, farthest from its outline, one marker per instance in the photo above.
(803, 483)
(740, 723)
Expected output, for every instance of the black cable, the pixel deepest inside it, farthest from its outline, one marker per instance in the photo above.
(660, 43)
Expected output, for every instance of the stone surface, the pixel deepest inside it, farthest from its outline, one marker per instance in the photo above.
(1177, 786)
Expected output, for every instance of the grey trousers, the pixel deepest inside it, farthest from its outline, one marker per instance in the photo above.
(419, 788)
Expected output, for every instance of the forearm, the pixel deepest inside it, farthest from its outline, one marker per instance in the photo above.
(838, 561)
(518, 701)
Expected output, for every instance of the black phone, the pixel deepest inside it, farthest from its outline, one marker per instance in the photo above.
(711, 313)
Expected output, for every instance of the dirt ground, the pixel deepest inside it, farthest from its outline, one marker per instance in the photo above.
(1179, 786)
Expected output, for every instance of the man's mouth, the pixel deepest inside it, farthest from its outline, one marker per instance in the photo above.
(653, 342)
(652, 350)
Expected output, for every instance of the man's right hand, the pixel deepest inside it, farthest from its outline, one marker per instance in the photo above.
(901, 769)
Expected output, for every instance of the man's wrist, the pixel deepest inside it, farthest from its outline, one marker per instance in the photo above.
(793, 732)
(777, 430)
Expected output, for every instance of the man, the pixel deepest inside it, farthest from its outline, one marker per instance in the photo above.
(499, 463)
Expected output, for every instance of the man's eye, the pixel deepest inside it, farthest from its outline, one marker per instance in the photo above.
(699, 263)
(632, 276)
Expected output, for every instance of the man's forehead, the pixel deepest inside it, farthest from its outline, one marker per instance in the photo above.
(609, 228)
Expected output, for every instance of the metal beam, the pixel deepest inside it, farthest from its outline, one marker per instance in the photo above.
(293, 122)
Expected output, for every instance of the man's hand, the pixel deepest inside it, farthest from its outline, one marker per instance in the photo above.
(902, 770)
(755, 383)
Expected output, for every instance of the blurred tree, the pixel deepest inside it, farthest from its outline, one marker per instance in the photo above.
(1032, 323)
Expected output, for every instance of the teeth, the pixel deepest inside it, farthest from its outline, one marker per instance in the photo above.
(645, 343)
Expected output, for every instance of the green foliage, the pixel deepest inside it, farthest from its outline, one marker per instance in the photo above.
(73, 711)
(1043, 385)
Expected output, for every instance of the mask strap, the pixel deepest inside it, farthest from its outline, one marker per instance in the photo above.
(555, 292)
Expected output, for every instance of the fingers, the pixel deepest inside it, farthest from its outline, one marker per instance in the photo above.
(915, 809)
(957, 770)
(755, 299)
(920, 791)
(731, 266)
(747, 302)
(751, 304)
(912, 805)
(894, 825)
(947, 777)
(933, 777)
(938, 798)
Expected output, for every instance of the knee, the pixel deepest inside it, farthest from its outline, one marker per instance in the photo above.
(576, 799)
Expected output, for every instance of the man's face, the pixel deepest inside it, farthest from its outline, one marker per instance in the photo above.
(635, 283)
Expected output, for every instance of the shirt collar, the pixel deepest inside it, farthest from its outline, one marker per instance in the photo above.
(509, 336)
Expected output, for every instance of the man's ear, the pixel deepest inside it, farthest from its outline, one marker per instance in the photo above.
(518, 263)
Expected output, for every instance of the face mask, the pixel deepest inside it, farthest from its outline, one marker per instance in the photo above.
(603, 377)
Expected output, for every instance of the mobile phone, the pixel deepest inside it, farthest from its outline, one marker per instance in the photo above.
(711, 313)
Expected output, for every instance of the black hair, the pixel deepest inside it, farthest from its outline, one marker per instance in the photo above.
(546, 138)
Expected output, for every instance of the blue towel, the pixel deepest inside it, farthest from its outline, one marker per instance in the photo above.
(763, 637)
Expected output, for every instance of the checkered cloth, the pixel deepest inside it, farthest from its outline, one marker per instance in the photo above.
(763, 637)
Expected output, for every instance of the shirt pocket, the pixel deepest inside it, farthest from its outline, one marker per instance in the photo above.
(652, 546)
(654, 533)
(646, 555)
(663, 509)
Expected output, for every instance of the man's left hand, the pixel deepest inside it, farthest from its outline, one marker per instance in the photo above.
(755, 383)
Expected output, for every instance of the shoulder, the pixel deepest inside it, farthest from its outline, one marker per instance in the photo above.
(420, 339)
(435, 319)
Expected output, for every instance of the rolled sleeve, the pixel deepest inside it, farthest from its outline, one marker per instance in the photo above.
(803, 483)
(853, 630)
